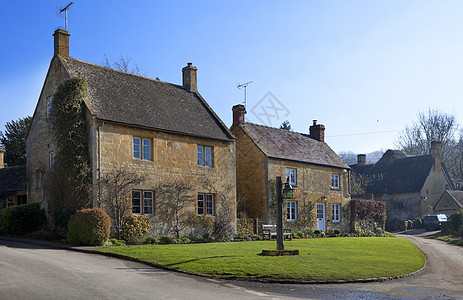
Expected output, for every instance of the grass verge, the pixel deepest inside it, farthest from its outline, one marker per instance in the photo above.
(324, 259)
(448, 239)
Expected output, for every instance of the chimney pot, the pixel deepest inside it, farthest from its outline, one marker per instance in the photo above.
(239, 112)
(189, 77)
(61, 42)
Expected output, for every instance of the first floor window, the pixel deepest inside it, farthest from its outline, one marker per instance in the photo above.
(291, 208)
(49, 101)
(335, 181)
(142, 202)
(51, 159)
(205, 204)
(291, 175)
(336, 212)
(141, 148)
(205, 156)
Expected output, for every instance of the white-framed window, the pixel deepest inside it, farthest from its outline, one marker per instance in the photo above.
(336, 212)
(291, 175)
(335, 181)
(206, 204)
(291, 211)
(142, 202)
(51, 159)
(205, 156)
(49, 103)
(141, 148)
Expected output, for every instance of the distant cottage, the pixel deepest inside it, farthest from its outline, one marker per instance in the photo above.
(162, 131)
(320, 177)
(410, 185)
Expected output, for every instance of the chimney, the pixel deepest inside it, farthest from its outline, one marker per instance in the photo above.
(436, 153)
(361, 159)
(2, 164)
(61, 42)
(189, 77)
(238, 114)
(317, 131)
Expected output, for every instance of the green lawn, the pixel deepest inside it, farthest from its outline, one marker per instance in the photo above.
(319, 260)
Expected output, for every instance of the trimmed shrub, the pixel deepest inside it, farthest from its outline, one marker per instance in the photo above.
(22, 219)
(134, 228)
(89, 227)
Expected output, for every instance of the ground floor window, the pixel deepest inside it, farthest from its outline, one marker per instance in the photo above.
(291, 211)
(205, 204)
(336, 212)
(142, 202)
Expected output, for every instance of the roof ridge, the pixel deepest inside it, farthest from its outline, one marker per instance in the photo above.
(282, 130)
(123, 72)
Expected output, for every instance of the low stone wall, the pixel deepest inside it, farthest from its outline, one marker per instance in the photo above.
(245, 226)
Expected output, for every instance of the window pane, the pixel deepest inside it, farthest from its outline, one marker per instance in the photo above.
(291, 175)
(291, 210)
(136, 202)
(200, 156)
(136, 148)
(335, 181)
(336, 212)
(208, 156)
(49, 102)
(148, 203)
(147, 149)
(200, 204)
(210, 204)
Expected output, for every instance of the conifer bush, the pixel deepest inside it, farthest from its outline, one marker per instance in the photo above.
(22, 219)
(89, 227)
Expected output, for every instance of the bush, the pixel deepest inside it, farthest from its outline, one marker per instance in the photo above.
(134, 228)
(337, 232)
(90, 227)
(150, 240)
(61, 220)
(455, 223)
(166, 240)
(22, 219)
(115, 242)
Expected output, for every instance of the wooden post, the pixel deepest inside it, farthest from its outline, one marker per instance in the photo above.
(280, 240)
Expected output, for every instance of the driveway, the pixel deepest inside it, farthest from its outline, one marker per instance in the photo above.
(38, 272)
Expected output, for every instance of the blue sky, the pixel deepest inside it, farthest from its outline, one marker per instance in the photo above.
(364, 69)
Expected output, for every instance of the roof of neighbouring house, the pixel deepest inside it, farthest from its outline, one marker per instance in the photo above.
(290, 145)
(400, 173)
(140, 101)
(13, 178)
(457, 196)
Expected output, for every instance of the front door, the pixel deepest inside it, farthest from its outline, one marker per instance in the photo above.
(321, 216)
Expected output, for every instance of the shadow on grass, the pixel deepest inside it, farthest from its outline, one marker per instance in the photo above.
(197, 259)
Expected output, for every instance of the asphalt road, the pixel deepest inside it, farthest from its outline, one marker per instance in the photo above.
(37, 272)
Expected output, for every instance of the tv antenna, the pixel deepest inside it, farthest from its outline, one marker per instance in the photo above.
(244, 86)
(65, 9)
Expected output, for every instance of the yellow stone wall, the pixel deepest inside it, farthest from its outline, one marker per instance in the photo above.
(251, 177)
(314, 185)
(433, 188)
(174, 157)
(40, 141)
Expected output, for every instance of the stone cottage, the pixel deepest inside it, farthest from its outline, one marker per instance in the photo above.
(165, 132)
(12, 184)
(410, 185)
(319, 176)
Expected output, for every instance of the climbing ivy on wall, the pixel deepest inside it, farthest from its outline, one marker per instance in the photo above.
(70, 130)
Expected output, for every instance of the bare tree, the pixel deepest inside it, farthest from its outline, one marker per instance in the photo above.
(358, 183)
(285, 125)
(431, 126)
(348, 157)
(117, 194)
(175, 195)
(124, 64)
